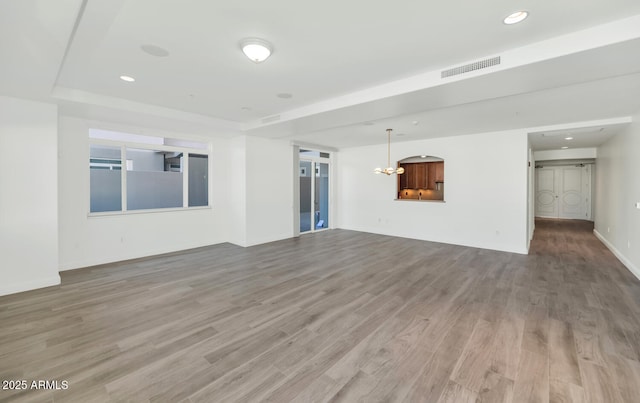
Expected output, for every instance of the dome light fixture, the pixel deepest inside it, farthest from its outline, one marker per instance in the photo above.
(516, 17)
(128, 79)
(389, 170)
(257, 50)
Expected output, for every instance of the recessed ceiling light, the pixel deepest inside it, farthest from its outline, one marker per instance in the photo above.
(568, 138)
(154, 50)
(284, 95)
(516, 17)
(257, 50)
(423, 156)
(127, 79)
(565, 147)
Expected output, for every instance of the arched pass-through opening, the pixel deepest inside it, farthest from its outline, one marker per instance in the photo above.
(423, 178)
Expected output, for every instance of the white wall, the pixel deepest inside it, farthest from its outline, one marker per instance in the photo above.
(260, 193)
(237, 191)
(28, 195)
(86, 241)
(617, 220)
(567, 154)
(485, 192)
(269, 214)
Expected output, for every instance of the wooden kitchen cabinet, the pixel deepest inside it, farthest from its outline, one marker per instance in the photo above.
(439, 171)
(421, 176)
(431, 184)
(402, 179)
(415, 176)
(410, 173)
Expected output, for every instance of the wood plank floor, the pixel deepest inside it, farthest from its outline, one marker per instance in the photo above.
(337, 316)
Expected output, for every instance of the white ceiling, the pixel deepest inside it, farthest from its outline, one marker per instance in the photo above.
(585, 137)
(345, 63)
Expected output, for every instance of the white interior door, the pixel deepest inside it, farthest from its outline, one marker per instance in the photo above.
(571, 201)
(546, 193)
(563, 192)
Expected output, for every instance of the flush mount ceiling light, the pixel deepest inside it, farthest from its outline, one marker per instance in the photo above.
(516, 17)
(568, 138)
(564, 148)
(389, 170)
(257, 50)
(128, 79)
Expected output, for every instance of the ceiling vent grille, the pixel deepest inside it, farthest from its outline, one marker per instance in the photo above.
(482, 64)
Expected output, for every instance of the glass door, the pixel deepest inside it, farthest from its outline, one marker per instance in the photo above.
(306, 183)
(314, 167)
(321, 196)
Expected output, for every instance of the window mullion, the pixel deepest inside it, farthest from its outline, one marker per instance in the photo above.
(123, 170)
(185, 180)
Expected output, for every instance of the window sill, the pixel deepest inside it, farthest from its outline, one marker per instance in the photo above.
(149, 211)
(420, 200)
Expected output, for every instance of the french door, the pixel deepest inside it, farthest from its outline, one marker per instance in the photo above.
(314, 194)
(564, 192)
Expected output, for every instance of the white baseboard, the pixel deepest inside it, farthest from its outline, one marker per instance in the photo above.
(622, 258)
(78, 264)
(261, 241)
(29, 285)
(524, 250)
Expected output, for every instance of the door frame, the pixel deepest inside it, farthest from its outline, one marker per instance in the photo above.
(586, 189)
(296, 188)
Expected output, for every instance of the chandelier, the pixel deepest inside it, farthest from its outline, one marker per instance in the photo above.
(389, 170)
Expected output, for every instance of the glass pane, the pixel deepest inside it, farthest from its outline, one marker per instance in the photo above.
(154, 179)
(198, 180)
(321, 205)
(313, 153)
(305, 196)
(105, 178)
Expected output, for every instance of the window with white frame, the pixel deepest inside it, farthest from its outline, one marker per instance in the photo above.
(158, 172)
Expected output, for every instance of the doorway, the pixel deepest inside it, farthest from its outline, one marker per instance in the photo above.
(314, 173)
(564, 192)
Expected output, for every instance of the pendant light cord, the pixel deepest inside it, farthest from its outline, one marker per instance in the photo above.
(389, 148)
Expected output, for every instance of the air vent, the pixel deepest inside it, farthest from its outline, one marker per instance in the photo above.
(270, 119)
(482, 64)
